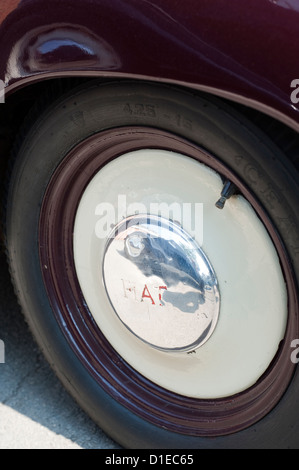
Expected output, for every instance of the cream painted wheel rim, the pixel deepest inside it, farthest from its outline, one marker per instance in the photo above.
(253, 313)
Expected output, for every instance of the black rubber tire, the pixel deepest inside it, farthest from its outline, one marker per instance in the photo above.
(215, 127)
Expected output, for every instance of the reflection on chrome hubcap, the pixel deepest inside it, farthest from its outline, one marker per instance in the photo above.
(161, 284)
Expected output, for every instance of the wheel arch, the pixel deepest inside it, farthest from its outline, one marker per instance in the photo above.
(23, 96)
(79, 41)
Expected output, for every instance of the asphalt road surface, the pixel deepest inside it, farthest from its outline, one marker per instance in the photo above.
(35, 410)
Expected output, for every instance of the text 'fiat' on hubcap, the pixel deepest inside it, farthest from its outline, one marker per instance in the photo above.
(160, 283)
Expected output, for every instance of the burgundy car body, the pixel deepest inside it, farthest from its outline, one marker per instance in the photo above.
(244, 51)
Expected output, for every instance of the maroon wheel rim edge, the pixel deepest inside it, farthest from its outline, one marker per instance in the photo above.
(183, 415)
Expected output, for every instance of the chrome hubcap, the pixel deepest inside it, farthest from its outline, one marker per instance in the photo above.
(161, 284)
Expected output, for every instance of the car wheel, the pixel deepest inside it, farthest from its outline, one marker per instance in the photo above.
(152, 236)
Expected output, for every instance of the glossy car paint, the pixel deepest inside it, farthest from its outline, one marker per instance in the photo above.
(245, 51)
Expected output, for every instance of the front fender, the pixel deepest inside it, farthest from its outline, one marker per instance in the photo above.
(245, 51)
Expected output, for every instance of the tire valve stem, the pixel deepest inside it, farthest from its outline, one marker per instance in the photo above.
(227, 192)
